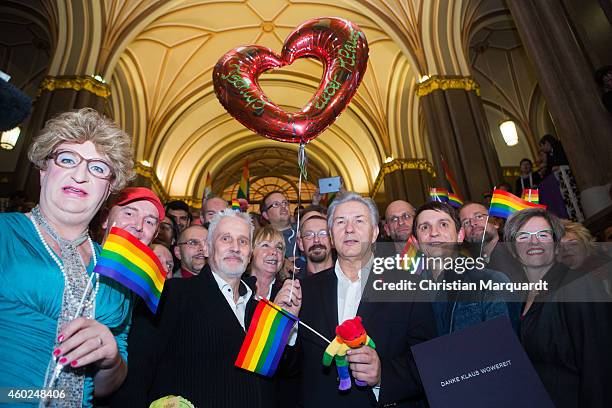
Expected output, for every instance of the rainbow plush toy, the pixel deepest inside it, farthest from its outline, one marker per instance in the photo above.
(350, 334)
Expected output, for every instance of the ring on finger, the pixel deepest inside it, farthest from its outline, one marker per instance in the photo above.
(100, 342)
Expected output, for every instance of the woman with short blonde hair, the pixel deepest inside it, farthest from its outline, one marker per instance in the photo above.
(69, 325)
(267, 260)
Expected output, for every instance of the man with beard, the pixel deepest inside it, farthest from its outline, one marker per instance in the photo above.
(399, 216)
(439, 232)
(189, 348)
(476, 222)
(190, 251)
(314, 242)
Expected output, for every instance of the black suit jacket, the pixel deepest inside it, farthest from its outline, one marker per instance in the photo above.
(189, 349)
(394, 327)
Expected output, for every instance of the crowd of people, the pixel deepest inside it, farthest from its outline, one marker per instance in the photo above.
(56, 312)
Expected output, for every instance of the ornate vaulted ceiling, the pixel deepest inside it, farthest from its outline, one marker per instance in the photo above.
(158, 58)
(163, 79)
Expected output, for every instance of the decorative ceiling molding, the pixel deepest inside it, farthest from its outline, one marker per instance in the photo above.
(82, 83)
(436, 82)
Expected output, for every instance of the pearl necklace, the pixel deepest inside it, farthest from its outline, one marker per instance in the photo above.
(85, 303)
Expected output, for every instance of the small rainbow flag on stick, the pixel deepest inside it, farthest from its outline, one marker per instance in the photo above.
(266, 339)
(504, 204)
(531, 195)
(411, 256)
(235, 204)
(455, 200)
(438, 194)
(133, 264)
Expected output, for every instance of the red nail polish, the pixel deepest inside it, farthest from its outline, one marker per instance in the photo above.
(74, 363)
(57, 352)
(63, 360)
(60, 338)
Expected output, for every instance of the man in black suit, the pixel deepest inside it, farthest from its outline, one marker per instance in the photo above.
(189, 347)
(335, 295)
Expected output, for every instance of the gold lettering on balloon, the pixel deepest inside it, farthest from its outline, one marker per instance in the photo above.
(346, 60)
(243, 85)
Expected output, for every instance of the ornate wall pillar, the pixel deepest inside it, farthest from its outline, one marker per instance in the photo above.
(57, 94)
(459, 132)
(403, 179)
(568, 84)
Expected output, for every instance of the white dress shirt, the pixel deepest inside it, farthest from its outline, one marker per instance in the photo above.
(239, 307)
(349, 297)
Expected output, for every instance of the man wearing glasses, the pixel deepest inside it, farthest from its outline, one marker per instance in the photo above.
(481, 233)
(314, 242)
(399, 216)
(275, 209)
(190, 251)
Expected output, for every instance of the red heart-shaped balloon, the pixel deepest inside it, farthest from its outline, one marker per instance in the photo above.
(341, 47)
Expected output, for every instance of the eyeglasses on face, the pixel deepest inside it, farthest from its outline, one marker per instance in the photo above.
(545, 235)
(276, 204)
(311, 234)
(477, 218)
(193, 243)
(69, 159)
(403, 216)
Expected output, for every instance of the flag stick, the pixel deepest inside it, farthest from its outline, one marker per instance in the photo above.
(281, 310)
(314, 331)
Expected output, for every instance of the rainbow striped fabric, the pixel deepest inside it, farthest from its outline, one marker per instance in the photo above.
(455, 200)
(450, 179)
(411, 256)
(208, 186)
(235, 204)
(438, 194)
(531, 195)
(266, 339)
(243, 187)
(133, 264)
(504, 204)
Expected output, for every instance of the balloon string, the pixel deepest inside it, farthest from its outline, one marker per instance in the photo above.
(302, 164)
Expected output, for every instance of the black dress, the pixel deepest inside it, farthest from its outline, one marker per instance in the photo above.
(570, 343)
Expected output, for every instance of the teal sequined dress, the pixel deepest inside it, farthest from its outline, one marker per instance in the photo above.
(31, 289)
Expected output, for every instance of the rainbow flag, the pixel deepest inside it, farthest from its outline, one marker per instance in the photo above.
(208, 186)
(235, 204)
(243, 187)
(504, 204)
(410, 257)
(266, 339)
(438, 194)
(450, 179)
(133, 264)
(531, 195)
(454, 200)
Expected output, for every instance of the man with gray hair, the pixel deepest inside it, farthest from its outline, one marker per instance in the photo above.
(335, 295)
(189, 348)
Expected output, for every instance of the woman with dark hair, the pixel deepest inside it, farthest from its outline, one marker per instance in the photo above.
(527, 179)
(567, 329)
(555, 155)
